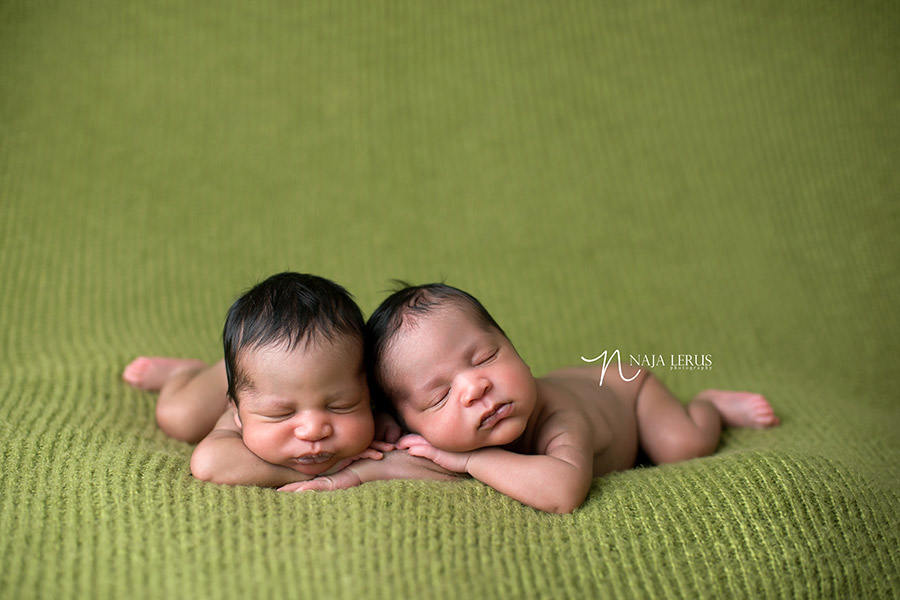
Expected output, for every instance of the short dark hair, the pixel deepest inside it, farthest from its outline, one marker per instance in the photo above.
(287, 308)
(409, 302)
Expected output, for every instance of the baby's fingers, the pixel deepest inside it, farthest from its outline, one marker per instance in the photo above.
(392, 433)
(370, 453)
(386, 428)
(341, 480)
(412, 439)
(422, 450)
(293, 487)
(321, 484)
(381, 446)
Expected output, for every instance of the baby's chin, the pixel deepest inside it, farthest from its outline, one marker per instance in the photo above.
(510, 434)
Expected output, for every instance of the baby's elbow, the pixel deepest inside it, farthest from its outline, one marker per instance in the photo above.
(205, 467)
(200, 467)
(565, 509)
(565, 506)
(568, 499)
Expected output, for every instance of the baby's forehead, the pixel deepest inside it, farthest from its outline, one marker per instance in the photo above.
(412, 317)
(310, 342)
(407, 338)
(412, 322)
(280, 357)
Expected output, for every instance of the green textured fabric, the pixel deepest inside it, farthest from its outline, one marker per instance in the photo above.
(703, 179)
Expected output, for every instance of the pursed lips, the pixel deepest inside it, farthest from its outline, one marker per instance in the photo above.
(314, 459)
(493, 416)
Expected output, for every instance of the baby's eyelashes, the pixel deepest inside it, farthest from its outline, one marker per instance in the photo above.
(276, 416)
(487, 358)
(440, 398)
(344, 408)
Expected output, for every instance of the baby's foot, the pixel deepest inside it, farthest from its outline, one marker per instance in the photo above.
(741, 409)
(152, 372)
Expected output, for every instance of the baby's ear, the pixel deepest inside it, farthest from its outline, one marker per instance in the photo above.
(237, 417)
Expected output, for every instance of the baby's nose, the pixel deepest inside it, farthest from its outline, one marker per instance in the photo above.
(313, 430)
(475, 389)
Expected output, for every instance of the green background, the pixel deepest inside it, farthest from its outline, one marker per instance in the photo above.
(703, 178)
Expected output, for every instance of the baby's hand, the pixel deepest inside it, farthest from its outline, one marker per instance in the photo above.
(347, 478)
(375, 452)
(417, 446)
(387, 429)
(376, 448)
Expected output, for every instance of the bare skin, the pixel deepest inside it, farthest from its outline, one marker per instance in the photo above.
(193, 406)
(151, 373)
(192, 393)
(477, 409)
(666, 429)
(320, 385)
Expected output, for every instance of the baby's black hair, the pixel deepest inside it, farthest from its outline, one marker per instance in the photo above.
(290, 309)
(409, 302)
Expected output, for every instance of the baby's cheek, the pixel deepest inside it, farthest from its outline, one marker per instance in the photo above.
(439, 432)
(358, 433)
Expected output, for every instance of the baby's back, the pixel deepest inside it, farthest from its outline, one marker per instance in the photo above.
(609, 408)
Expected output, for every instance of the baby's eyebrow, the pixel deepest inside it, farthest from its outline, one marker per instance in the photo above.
(258, 401)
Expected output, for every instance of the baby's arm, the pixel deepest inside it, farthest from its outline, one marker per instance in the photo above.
(555, 479)
(396, 464)
(222, 457)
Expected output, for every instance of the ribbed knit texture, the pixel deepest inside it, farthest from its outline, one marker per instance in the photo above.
(705, 178)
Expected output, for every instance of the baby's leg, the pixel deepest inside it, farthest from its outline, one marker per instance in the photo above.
(152, 372)
(192, 394)
(671, 431)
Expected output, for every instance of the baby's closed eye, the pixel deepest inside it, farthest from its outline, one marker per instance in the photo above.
(344, 407)
(439, 398)
(276, 417)
(483, 359)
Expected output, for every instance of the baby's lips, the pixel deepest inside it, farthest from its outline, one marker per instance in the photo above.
(314, 459)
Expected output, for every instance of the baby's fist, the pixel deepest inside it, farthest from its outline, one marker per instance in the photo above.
(416, 445)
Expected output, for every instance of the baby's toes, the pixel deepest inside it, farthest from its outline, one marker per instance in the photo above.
(764, 415)
(134, 372)
(758, 400)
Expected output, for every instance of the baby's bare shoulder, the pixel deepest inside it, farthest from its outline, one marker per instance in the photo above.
(579, 383)
(597, 372)
(568, 399)
(607, 411)
(605, 400)
(562, 414)
(577, 372)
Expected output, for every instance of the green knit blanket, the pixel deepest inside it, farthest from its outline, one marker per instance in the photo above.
(708, 179)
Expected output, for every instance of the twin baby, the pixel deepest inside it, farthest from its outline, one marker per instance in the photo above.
(289, 405)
